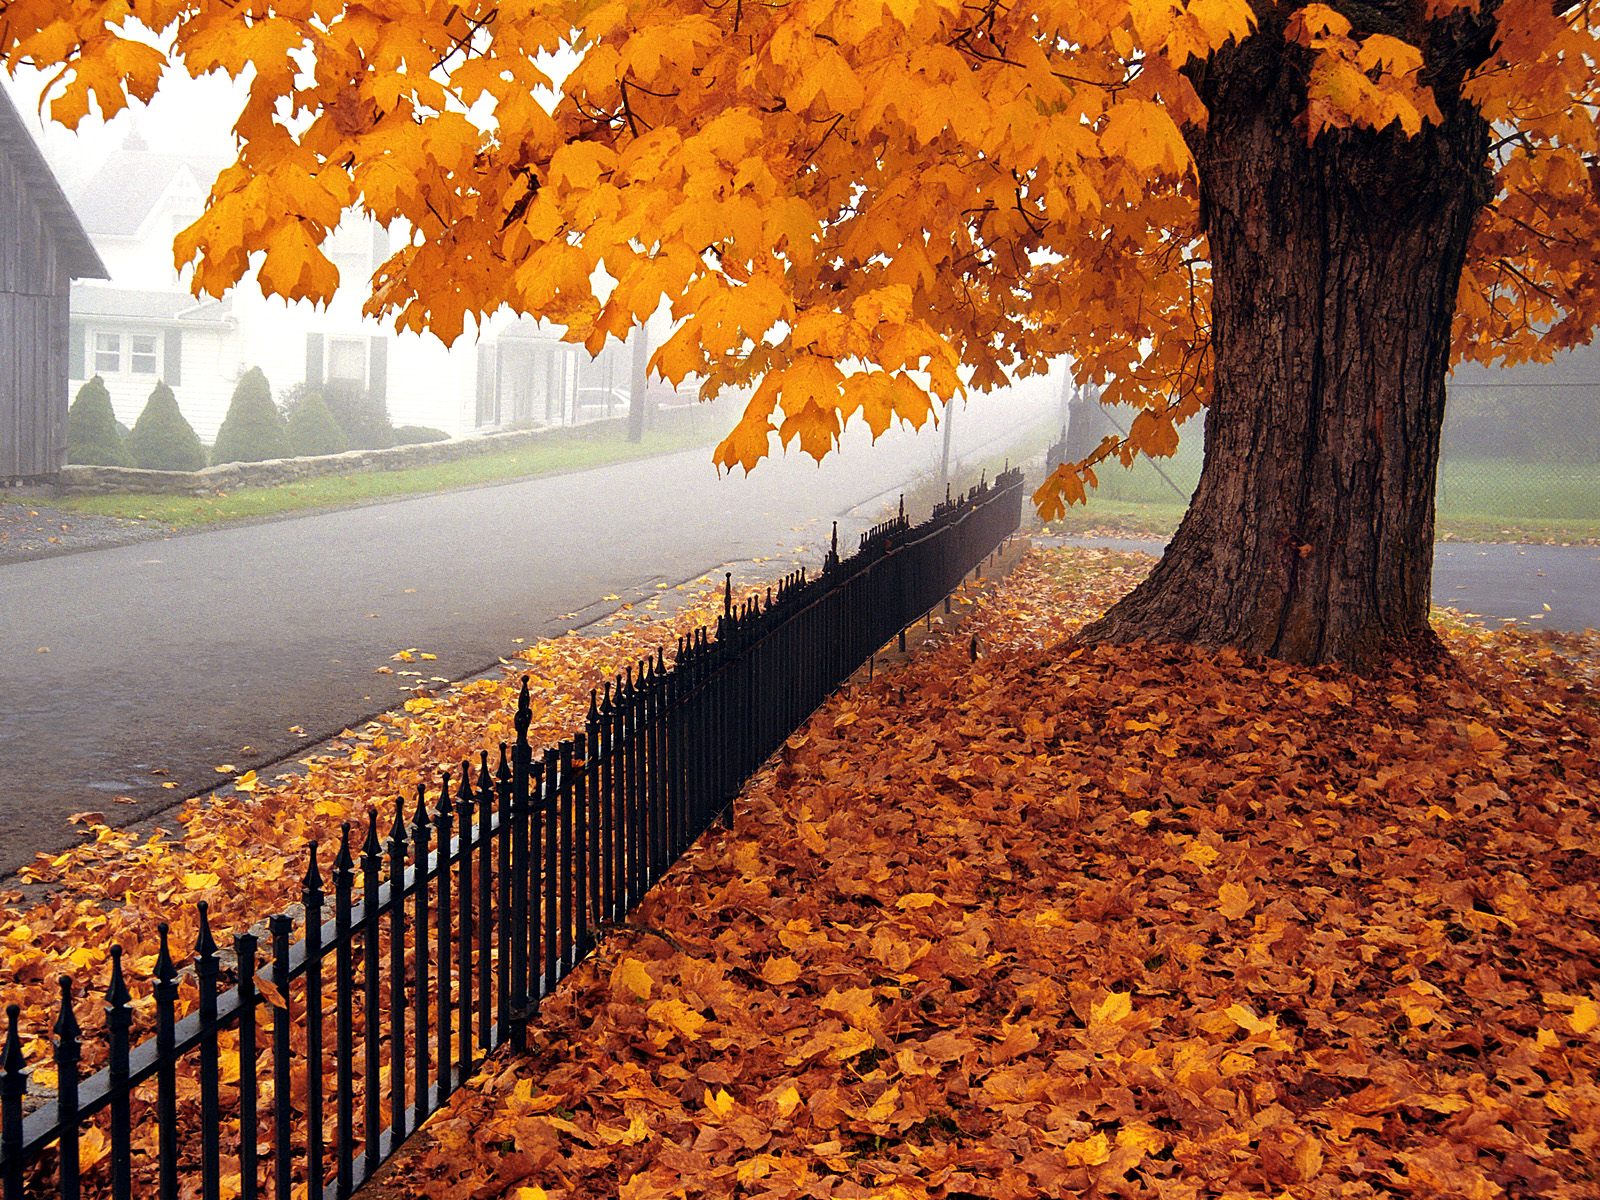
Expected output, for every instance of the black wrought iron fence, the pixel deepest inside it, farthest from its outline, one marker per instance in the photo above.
(443, 932)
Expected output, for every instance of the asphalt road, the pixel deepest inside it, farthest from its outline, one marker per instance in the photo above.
(176, 655)
(1548, 587)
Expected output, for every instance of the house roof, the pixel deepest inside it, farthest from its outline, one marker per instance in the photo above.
(17, 145)
(117, 199)
(132, 304)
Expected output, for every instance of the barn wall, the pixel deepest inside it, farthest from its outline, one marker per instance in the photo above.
(33, 336)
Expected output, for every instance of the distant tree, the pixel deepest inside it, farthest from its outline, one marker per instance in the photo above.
(253, 430)
(363, 416)
(313, 429)
(161, 439)
(412, 435)
(93, 438)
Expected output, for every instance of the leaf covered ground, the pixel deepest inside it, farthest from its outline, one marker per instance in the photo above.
(1112, 921)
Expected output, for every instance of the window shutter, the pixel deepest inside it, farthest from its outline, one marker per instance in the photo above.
(378, 369)
(380, 246)
(172, 358)
(77, 351)
(314, 360)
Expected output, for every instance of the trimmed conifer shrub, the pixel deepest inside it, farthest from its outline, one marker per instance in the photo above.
(413, 435)
(313, 429)
(92, 435)
(253, 430)
(363, 416)
(161, 439)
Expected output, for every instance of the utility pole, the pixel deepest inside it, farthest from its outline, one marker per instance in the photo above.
(639, 383)
(944, 460)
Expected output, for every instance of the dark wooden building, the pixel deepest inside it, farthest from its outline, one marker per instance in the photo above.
(43, 248)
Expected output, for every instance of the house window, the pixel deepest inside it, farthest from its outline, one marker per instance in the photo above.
(107, 353)
(142, 354)
(347, 359)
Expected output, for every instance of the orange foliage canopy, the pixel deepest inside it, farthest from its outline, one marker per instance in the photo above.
(863, 206)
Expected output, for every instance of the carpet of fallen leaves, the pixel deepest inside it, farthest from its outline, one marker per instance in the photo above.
(1112, 921)
(243, 850)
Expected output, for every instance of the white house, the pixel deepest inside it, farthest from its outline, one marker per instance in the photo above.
(144, 325)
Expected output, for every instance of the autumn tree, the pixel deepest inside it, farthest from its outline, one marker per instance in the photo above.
(1295, 215)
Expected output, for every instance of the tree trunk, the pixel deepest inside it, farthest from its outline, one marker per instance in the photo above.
(1335, 268)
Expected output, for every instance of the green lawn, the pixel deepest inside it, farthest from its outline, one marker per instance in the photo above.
(1480, 500)
(567, 450)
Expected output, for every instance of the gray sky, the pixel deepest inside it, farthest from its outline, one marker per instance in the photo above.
(194, 116)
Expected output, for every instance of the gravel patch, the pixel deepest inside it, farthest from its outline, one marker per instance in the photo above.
(30, 530)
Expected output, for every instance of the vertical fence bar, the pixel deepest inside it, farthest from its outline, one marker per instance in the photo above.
(533, 881)
(594, 804)
(13, 1087)
(371, 997)
(165, 989)
(441, 1013)
(552, 877)
(606, 754)
(207, 967)
(69, 1052)
(420, 831)
(311, 894)
(565, 866)
(244, 957)
(464, 921)
(344, 1083)
(397, 974)
(487, 918)
(282, 1112)
(119, 1022)
(511, 992)
(578, 847)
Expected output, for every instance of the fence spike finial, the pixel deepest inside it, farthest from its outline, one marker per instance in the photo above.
(727, 593)
(524, 716)
(165, 972)
(313, 878)
(397, 832)
(594, 706)
(464, 784)
(420, 818)
(503, 771)
(369, 846)
(12, 1061)
(342, 860)
(485, 775)
(205, 946)
(67, 1029)
(661, 662)
(117, 994)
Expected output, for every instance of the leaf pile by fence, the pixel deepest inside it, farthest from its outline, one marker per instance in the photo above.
(1125, 921)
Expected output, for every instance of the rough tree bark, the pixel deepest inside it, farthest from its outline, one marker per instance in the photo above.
(1335, 269)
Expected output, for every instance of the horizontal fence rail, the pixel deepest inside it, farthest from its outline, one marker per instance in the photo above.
(305, 1054)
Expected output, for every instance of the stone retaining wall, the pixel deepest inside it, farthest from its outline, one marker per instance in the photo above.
(95, 481)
